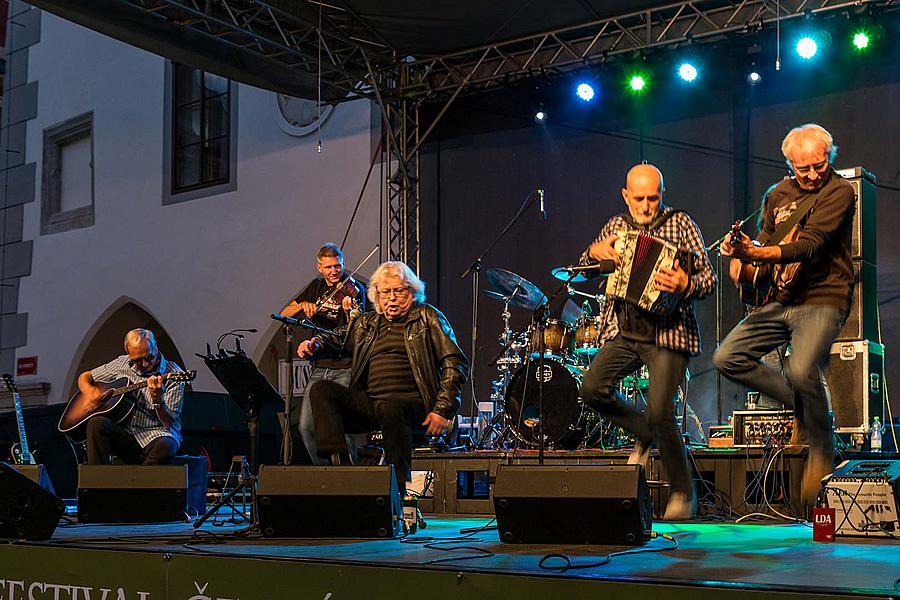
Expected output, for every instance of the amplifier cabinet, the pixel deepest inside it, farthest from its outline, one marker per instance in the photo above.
(855, 378)
(863, 494)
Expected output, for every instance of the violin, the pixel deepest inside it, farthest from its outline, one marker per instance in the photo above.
(346, 289)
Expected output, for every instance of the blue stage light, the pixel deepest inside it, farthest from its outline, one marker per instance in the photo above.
(687, 72)
(807, 47)
(753, 77)
(585, 91)
(540, 117)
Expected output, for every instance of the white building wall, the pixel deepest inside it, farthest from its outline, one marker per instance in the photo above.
(200, 267)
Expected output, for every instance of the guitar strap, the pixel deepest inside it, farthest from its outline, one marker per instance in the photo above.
(785, 226)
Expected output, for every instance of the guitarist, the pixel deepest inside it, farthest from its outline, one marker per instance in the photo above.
(152, 434)
(806, 310)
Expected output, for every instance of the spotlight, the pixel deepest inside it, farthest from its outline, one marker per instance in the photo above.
(753, 77)
(687, 72)
(540, 117)
(861, 40)
(585, 91)
(637, 83)
(807, 47)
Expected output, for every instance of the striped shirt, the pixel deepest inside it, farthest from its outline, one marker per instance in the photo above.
(390, 374)
(143, 423)
(679, 330)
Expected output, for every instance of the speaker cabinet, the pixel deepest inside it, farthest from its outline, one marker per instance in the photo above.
(863, 243)
(27, 510)
(855, 378)
(301, 501)
(131, 493)
(573, 504)
(862, 321)
(38, 474)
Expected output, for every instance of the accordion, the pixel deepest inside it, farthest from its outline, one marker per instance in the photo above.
(634, 280)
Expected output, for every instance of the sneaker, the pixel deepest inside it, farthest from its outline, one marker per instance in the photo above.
(640, 456)
(679, 508)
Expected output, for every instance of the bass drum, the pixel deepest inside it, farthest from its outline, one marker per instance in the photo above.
(563, 426)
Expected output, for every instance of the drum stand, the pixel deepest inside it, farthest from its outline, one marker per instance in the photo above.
(495, 432)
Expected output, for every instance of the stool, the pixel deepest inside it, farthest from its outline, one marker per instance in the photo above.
(198, 469)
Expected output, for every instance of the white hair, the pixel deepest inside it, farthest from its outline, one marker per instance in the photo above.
(808, 138)
(136, 336)
(395, 268)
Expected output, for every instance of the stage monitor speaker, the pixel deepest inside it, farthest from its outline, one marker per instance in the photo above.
(132, 493)
(38, 474)
(27, 510)
(855, 378)
(301, 501)
(573, 504)
(862, 321)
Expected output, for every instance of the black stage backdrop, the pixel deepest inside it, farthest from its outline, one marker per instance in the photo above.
(718, 146)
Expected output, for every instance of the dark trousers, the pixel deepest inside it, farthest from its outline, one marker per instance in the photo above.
(619, 358)
(105, 438)
(338, 410)
(810, 329)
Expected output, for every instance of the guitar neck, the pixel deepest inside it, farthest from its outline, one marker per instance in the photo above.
(23, 439)
(134, 387)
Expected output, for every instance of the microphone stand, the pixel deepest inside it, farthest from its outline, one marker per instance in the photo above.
(540, 317)
(474, 269)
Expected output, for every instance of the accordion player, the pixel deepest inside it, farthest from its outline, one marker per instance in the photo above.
(634, 280)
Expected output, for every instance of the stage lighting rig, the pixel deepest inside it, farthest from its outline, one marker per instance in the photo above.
(585, 91)
(688, 72)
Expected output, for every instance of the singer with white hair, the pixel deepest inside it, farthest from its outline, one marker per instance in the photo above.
(406, 376)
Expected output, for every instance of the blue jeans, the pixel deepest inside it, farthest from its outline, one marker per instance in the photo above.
(620, 357)
(810, 329)
(307, 425)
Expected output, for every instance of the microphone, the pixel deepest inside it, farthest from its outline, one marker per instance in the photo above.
(286, 320)
(540, 193)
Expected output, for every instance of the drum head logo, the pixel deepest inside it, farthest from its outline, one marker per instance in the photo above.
(547, 374)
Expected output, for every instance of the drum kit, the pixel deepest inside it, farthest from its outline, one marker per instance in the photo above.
(570, 343)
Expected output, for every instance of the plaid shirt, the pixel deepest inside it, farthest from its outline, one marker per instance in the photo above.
(143, 423)
(679, 330)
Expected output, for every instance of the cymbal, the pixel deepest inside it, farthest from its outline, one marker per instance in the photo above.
(563, 274)
(521, 292)
(518, 300)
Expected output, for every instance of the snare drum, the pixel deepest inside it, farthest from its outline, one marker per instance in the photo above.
(563, 421)
(557, 338)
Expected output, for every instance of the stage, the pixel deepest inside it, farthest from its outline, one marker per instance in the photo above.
(172, 561)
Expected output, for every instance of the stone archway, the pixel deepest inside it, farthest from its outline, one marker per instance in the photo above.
(104, 339)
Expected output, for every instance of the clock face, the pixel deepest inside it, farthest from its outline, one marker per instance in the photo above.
(298, 116)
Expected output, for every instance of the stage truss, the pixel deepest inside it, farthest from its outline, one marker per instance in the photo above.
(357, 61)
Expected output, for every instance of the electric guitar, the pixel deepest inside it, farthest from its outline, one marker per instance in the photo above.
(21, 455)
(759, 282)
(116, 403)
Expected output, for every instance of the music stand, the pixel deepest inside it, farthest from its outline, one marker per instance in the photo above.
(249, 389)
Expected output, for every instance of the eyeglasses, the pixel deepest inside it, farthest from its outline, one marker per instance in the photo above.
(141, 360)
(398, 292)
(807, 169)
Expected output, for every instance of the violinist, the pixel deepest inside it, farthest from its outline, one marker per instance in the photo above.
(327, 302)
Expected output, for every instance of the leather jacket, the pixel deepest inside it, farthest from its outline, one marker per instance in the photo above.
(439, 366)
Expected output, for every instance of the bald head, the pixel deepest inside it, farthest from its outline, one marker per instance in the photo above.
(643, 192)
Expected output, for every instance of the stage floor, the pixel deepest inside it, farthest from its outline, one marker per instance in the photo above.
(173, 560)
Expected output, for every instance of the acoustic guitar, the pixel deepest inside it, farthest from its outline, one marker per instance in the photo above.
(21, 455)
(116, 403)
(759, 282)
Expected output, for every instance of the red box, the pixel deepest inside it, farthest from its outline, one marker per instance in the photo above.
(26, 365)
(823, 524)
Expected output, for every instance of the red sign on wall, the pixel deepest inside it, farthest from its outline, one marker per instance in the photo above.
(26, 365)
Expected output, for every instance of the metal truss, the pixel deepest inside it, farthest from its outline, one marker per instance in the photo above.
(402, 187)
(285, 31)
(494, 65)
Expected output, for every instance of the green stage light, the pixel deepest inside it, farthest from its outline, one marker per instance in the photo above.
(861, 40)
(637, 83)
